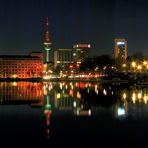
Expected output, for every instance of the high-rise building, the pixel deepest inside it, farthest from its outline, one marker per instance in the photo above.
(120, 52)
(47, 44)
(63, 57)
(81, 52)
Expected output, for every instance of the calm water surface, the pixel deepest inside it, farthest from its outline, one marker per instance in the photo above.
(73, 114)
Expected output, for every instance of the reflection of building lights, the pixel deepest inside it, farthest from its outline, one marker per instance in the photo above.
(133, 64)
(58, 95)
(71, 86)
(76, 84)
(77, 112)
(145, 63)
(45, 92)
(124, 65)
(124, 96)
(112, 92)
(74, 104)
(134, 98)
(145, 99)
(96, 86)
(49, 88)
(60, 85)
(14, 84)
(104, 92)
(104, 67)
(121, 111)
(139, 67)
(88, 90)
(78, 95)
(89, 112)
(44, 87)
(66, 87)
(139, 96)
(96, 91)
(71, 92)
(83, 112)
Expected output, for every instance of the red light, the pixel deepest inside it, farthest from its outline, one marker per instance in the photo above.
(70, 66)
(78, 65)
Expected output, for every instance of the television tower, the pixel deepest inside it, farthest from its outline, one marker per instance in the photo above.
(47, 43)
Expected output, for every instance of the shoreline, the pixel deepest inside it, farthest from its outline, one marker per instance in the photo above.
(21, 79)
(74, 80)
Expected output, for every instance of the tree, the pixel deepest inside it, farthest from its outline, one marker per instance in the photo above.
(99, 61)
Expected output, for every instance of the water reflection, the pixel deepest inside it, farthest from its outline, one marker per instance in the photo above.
(47, 112)
(79, 99)
(21, 92)
(82, 98)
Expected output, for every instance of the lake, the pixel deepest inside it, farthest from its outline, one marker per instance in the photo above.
(61, 114)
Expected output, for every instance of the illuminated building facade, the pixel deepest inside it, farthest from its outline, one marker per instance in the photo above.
(81, 52)
(47, 44)
(120, 52)
(63, 57)
(21, 66)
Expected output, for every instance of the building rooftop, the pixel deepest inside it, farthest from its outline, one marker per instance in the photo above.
(32, 55)
(82, 46)
(18, 56)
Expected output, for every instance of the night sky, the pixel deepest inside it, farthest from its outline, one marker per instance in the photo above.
(97, 22)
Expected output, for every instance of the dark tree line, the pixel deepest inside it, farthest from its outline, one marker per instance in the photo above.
(98, 61)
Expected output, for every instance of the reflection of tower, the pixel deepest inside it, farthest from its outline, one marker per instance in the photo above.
(47, 109)
(47, 112)
(47, 44)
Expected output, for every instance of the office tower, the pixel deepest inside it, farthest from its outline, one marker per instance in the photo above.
(63, 57)
(81, 52)
(120, 52)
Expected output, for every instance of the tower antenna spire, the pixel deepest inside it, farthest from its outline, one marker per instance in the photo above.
(47, 36)
(47, 43)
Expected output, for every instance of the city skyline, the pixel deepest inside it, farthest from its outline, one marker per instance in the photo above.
(71, 22)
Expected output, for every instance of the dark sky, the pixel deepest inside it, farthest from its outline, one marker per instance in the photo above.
(97, 22)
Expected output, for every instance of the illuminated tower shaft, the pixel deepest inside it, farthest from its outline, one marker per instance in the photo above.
(47, 44)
